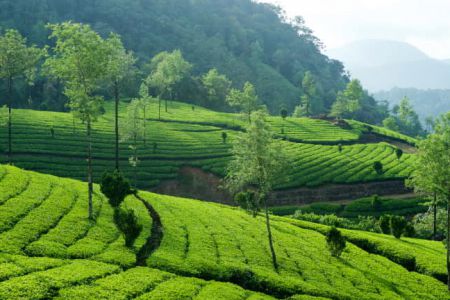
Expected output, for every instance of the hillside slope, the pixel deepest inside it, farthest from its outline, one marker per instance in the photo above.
(49, 250)
(246, 40)
(187, 137)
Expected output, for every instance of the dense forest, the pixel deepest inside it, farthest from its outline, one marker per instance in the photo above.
(244, 40)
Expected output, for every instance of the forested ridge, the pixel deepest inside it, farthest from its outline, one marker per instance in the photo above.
(244, 40)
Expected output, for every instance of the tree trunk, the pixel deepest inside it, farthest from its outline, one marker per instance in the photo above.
(116, 97)
(448, 242)
(135, 160)
(90, 184)
(434, 216)
(159, 110)
(269, 234)
(10, 83)
(145, 122)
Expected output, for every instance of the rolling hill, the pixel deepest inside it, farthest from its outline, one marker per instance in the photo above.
(192, 136)
(48, 250)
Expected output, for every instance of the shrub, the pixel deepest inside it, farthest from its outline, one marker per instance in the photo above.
(127, 222)
(378, 167)
(248, 201)
(398, 225)
(224, 137)
(409, 230)
(335, 242)
(116, 187)
(399, 153)
(385, 224)
(376, 203)
(284, 113)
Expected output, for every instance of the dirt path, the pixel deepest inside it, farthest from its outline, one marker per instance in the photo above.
(154, 240)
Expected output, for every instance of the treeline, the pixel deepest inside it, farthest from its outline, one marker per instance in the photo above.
(243, 40)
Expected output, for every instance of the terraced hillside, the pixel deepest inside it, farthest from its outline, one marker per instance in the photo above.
(48, 249)
(192, 136)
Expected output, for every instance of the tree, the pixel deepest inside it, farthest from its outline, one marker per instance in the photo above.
(258, 162)
(224, 137)
(335, 242)
(432, 169)
(246, 100)
(144, 102)
(385, 224)
(348, 101)
(17, 60)
(116, 187)
(133, 130)
(120, 66)
(168, 69)
(217, 87)
(81, 61)
(283, 113)
(398, 225)
(309, 100)
(404, 119)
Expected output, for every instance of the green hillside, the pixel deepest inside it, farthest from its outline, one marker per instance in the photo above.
(193, 137)
(48, 249)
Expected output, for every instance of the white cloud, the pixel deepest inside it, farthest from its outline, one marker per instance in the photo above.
(425, 24)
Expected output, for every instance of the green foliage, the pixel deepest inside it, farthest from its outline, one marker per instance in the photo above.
(16, 58)
(245, 34)
(399, 153)
(312, 105)
(81, 61)
(217, 87)
(202, 240)
(127, 222)
(376, 203)
(348, 101)
(385, 224)
(115, 186)
(335, 242)
(398, 225)
(168, 69)
(378, 167)
(404, 119)
(246, 100)
(224, 137)
(248, 200)
(283, 113)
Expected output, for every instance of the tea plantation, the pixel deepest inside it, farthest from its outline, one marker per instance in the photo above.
(192, 136)
(49, 249)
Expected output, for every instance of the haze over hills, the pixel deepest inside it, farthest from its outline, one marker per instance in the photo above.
(384, 64)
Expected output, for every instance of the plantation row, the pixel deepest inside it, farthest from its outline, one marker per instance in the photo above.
(52, 143)
(47, 217)
(201, 240)
(44, 278)
(212, 241)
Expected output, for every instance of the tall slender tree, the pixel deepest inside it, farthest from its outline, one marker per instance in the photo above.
(168, 69)
(17, 60)
(120, 66)
(258, 162)
(309, 100)
(81, 61)
(432, 169)
(348, 101)
(246, 100)
(133, 130)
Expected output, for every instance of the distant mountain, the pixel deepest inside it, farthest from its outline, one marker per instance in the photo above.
(426, 102)
(384, 64)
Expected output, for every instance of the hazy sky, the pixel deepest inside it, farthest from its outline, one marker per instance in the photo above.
(422, 23)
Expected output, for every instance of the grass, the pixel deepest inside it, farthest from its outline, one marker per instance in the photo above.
(208, 251)
(194, 138)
